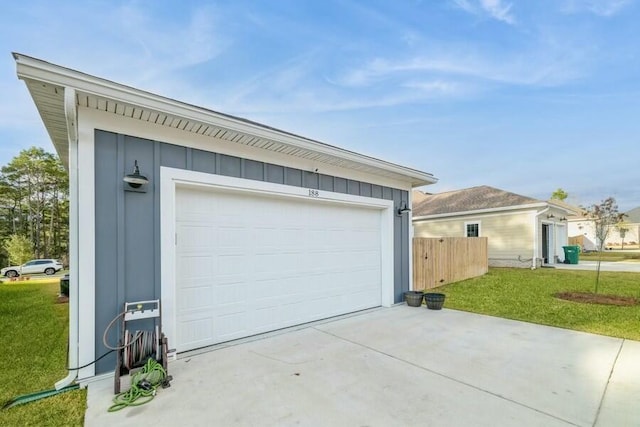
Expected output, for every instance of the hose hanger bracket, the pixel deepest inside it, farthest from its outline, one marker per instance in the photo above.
(141, 310)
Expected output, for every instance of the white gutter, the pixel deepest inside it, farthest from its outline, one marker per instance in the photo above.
(481, 211)
(71, 115)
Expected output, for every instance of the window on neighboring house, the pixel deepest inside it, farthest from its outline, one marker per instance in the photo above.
(472, 229)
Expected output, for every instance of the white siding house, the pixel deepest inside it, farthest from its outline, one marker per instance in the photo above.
(521, 231)
(583, 231)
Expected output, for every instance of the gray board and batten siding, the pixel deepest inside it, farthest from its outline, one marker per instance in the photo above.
(127, 253)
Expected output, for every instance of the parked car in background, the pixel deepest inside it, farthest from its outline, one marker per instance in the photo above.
(46, 266)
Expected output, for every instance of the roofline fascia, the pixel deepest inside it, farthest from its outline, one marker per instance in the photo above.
(39, 70)
(482, 211)
(564, 208)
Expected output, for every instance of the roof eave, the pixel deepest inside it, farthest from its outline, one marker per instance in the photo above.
(481, 211)
(29, 68)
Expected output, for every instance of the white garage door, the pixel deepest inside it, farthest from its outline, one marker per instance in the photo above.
(248, 263)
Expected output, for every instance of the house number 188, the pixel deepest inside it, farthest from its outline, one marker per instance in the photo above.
(314, 193)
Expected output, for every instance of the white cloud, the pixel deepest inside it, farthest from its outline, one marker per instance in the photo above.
(498, 10)
(605, 8)
(546, 67)
(435, 87)
(166, 46)
(130, 44)
(495, 9)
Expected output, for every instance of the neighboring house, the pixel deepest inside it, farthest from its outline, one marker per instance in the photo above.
(521, 231)
(582, 231)
(631, 223)
(237, 227)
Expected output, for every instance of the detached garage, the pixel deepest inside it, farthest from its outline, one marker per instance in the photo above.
(238, 228)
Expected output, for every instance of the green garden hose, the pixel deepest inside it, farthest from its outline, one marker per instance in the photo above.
(143, 386)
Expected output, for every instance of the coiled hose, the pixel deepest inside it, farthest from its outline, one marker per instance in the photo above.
(143, 386)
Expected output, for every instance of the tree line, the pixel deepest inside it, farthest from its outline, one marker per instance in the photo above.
(34, 208)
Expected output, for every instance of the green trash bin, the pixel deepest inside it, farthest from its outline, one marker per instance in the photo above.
(571, 254)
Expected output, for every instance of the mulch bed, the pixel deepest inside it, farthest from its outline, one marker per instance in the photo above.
(591, 298)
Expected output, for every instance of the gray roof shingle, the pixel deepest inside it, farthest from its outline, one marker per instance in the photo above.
(469, 199)
(633, 215)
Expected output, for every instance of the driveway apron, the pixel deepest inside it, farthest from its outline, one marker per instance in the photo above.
(400, 366)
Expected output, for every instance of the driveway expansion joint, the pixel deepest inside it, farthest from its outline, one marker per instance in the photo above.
(606, 386)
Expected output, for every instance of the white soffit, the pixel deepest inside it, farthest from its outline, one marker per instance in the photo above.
(47, 82)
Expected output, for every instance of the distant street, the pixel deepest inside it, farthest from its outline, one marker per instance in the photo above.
(631, 266)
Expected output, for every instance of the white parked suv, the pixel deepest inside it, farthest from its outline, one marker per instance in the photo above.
(46, 266)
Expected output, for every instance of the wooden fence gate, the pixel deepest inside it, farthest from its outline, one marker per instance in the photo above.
(438, 261)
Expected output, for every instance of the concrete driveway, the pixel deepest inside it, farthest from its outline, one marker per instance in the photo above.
(630, 266)
(399, 366)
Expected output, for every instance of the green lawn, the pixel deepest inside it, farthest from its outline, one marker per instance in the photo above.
(610, 256)
(524, 294)
(33, 331)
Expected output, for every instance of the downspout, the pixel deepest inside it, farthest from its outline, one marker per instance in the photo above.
(410, 243)
(71, 115)
(536, 236)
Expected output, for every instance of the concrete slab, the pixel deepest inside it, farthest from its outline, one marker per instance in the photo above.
(620, 406)
(628, 266)
(401, 366)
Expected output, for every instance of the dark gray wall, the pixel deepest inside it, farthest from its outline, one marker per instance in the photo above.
(128, 223)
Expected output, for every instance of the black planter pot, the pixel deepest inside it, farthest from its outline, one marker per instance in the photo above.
(434, 301)
(413, 298)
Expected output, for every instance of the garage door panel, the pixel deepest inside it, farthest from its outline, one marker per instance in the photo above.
(365, 238)
(196, 297)
(196, 328)
(271, 262)
(195, 266)
(196, 236)
(265, 288)
(266, 319)
(227, 293)
(230, 237)
(364, 259)
(231, 262)
(230, 326)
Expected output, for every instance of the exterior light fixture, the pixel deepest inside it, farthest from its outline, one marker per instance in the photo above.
(551, 216)
(564, 218)
(135, 179)
(403, 209)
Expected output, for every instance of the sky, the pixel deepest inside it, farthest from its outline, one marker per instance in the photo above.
(526, 96)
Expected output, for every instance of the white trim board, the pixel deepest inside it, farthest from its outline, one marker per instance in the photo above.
(171, 178)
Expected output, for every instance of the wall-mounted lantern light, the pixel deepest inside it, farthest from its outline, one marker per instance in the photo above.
(135, 179)
(403, 209)
(564, 218)
(551, 216)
